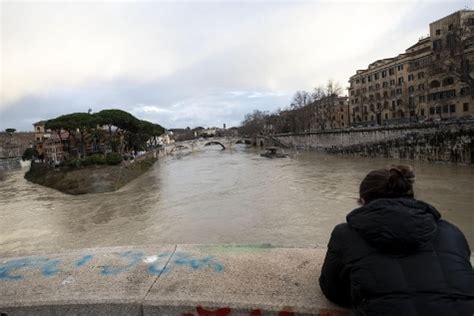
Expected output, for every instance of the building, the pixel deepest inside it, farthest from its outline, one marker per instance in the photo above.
(331, 112)
(40, 136)
(55, 148)
(431, 80)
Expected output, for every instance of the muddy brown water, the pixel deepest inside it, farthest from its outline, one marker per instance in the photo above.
(213, 197)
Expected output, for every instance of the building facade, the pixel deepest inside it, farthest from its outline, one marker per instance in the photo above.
(431, 80)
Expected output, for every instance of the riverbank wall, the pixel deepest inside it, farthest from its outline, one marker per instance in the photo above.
(436, 141)
(184, 280)
(10, 164)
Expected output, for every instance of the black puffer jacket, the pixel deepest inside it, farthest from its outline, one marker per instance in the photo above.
(398, 257)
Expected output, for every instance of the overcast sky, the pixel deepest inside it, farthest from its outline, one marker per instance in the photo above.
(191, 64)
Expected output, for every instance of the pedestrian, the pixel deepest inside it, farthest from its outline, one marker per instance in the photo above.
(396, 255)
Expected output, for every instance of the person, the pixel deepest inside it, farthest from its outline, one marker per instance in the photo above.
(396, 255)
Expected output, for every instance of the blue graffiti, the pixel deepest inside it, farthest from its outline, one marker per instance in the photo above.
(183, 259)
(84, 260)
(162, 263)
(133, 258)
(159, 266)
(48, 267)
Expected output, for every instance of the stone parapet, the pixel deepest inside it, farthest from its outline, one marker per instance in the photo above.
(167, 280)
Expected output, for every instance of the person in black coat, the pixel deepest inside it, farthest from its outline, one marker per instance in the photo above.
(396, 256)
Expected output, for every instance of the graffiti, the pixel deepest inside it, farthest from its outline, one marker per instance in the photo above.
(48, 267)
(84, 260)
(155, 265)
(183, 259)
(133, 258)
(286, 311)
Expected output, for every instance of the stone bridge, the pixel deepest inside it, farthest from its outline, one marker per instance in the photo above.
(223, 142)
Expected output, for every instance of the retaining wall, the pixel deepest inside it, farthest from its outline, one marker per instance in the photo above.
(442, 141)
(166, 280)
(10, 164)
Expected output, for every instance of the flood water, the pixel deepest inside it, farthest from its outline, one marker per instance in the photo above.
(213, 196)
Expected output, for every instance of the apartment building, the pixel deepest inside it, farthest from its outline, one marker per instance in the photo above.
(431, 80)
(331, 112)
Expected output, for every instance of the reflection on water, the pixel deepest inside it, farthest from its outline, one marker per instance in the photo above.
(215, 196)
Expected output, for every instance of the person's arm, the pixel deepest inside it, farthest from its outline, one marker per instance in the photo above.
(334, 280)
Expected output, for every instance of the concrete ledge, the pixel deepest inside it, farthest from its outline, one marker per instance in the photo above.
(166, 280)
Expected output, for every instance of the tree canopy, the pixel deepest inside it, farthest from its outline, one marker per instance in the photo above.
(135, 132)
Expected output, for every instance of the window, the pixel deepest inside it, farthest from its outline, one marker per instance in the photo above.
(438, 32)
(422, 112)
(432, 110)
(392, 82)
(411, 77)
(377, 86)
(438, 109)
(464, 90)
(376, 76)
(434, 84)
(371, 88)
(391, 71)
(421, 98)
(411, 101)
(437, 45)
(399, 91)
(448, 81)
(445, 108)
(450, 41)
(386, 115)
(411, 89)
(393, 105)
(385, 84)
(400, 67)
(400, 80)
(371, 107)
(450, 27)
(421, 86)
(465, 107)
(452, 108)
(363, 79)
(421, 75)
(384, 74)
(438, 56)
(369, 78)
(399, 102)
(357, 80)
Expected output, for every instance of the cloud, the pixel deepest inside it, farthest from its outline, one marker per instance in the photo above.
(191, 63)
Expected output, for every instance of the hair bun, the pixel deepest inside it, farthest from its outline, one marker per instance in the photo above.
(406, 173)
(400, 181)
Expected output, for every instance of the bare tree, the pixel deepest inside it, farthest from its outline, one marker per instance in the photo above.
(301, 99)
(454, 59)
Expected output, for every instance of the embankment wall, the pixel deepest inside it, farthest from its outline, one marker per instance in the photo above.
(441, 141)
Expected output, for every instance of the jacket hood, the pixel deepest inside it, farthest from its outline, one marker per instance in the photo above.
(395, 225)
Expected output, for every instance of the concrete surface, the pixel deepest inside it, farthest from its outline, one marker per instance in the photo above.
(166, 280)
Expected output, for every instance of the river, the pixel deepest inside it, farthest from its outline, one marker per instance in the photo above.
(213, 196)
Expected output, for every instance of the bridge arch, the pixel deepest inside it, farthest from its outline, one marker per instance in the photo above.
(243, 141)
(214, 143)
(179, 147)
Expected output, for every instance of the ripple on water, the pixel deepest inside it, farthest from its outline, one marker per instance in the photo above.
(216, 197)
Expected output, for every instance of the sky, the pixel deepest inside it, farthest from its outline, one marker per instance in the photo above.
(187, 64)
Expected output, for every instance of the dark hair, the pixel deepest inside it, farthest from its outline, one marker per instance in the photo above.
(393, 182)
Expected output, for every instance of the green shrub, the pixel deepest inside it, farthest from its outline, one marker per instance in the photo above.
(95, 159)
(29, 154)
(113, 158)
